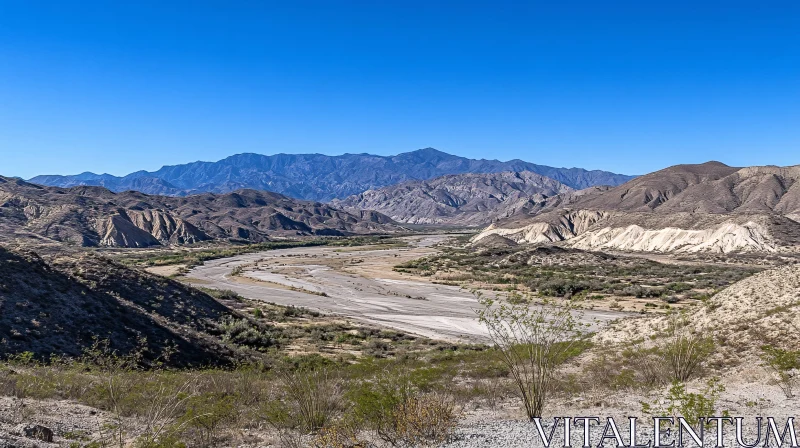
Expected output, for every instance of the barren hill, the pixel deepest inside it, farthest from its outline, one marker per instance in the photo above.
(59, 305)
(461, 199)
(95, 216)
(317, 176)
(685, 208)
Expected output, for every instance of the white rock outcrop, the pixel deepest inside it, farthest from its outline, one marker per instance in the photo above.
(725, 238)
(581, 229)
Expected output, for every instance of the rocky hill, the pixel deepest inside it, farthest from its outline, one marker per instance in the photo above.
(318, 177)
(685, 208)
(460, 199)
(95, 216)
(64, 304)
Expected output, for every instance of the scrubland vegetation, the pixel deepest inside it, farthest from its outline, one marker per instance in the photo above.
(572, 273)
(305, 400)
(335, 389)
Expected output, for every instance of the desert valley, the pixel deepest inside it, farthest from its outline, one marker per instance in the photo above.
(359, 300)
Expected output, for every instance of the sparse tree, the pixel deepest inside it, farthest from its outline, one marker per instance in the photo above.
(684, 350)
(533, 341)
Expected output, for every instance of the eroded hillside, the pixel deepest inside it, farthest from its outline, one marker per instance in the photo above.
(64, 304)
(465, 199)
(687, 208)
(94, 216)
(756, 311)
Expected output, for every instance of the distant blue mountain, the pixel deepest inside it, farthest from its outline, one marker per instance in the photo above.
(318, 177)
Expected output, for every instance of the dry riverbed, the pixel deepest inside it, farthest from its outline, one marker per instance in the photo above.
(358, 283)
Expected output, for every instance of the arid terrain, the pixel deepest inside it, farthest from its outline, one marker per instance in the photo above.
(364, 289)
(217, 319)
(358, 283)
(95, 216)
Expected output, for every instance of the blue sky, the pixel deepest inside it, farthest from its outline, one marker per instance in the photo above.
(629, 87)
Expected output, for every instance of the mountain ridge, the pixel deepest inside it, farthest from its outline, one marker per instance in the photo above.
(96, 216)
(683, 208)
(470, 199)
(317, 176)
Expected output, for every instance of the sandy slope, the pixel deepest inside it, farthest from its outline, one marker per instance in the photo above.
(762, 309)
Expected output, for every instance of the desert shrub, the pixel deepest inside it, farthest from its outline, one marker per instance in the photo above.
(307, 400)
(533, 342)
(206, 414)
(156, 398)
(490, 391)
(340, 435)
(784, 365)
(647, 363)
(684, 350)
(165, 441)
(632, 368)
(245, 332)
(8, 382)
(401, 410)
(691, 406)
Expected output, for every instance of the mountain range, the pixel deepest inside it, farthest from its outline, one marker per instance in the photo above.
(318, 177)
(684, 208)
(95, 216)
(459, 199)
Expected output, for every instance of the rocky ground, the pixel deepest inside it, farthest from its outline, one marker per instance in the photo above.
(60, 422)
(748, 394)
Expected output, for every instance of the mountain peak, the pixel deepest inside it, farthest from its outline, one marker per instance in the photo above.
(430, 150)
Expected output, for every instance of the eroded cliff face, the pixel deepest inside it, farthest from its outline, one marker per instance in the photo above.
(146, 228)
(687, 208)
(724, 238)
(564, 227)
(584, 229)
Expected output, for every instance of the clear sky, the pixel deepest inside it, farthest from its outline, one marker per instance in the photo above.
(630, 87)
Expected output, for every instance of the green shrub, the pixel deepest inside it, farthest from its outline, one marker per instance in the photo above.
(396, 407)
(691, 406)
(207, 413)
(784, 365)
(307, 401)
(684, 350)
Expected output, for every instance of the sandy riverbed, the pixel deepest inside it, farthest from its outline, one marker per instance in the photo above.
(358, 283)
